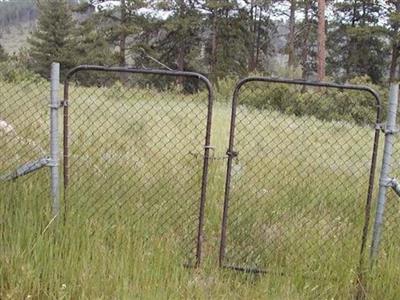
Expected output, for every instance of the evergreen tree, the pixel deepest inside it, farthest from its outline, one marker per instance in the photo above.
(259, 33)
(229, 39)
(92, 48)
(291, 35)
(321, 57)
(52, 41)
(181, 33)
(393, 33)
(305, 40)
(356, 41)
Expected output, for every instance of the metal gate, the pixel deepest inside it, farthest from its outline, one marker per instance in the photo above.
(300, 177)
(300, 171)
(130, 152)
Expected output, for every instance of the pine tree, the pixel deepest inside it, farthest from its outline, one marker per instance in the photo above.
(321, 57)
(93, 49)
(52, 41)
(229, 44)
(356, 42)
(393, 32)
(259, 32)
(291, 36)
(181, 35)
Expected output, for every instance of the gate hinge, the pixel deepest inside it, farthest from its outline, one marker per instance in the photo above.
(387, 182)
(385, 130)
(232, 154)
(64, 103)
(392, 183)
(55, 106)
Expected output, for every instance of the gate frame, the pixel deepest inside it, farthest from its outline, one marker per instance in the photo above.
(207, 143)
(231, 153)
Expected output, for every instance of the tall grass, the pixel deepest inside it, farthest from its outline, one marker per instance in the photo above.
(130, 219)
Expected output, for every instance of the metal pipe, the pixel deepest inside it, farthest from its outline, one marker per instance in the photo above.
(54, 165)
(384, 180)
(27, 168)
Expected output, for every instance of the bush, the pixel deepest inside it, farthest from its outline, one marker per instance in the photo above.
(12, 71)
(329, 104)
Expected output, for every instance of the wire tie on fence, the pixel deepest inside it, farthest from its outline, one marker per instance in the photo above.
(380, 126)
(54, 106)
(198, 155)
(209, 147)
(212, 149)
(393, 131)
(52, 162)
(64, 103)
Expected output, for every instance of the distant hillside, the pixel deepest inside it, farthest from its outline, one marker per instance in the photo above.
(15, 37)
(17, 20)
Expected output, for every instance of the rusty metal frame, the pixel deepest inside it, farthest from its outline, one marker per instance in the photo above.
(232, 153)
(207, 146)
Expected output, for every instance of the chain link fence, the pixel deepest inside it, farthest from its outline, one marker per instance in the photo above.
(24, 142)
(24, 124)
(299, 190)
(300, 178)
(130, 153)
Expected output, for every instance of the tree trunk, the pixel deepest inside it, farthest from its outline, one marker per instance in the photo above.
(180, 63)
(395, 48)
(321, 56)
(304, 52)
(291, 37)
(122, 38)
(122, 42)
(214, 45)
(252, 30)
(258, 41)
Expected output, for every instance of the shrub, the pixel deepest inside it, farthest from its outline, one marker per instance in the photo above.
(327, 104)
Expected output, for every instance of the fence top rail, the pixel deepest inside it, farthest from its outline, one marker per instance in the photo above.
(137, 71)
(374, 93)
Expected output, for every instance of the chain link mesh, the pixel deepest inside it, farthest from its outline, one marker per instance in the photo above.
(24, 123)
(132, 157)
(24, 138)
(299, 179)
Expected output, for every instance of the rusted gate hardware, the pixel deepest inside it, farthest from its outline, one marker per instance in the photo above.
(298, 189)
(137, 146)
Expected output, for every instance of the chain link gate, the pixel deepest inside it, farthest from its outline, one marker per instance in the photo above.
(129, 152)
(299, 177)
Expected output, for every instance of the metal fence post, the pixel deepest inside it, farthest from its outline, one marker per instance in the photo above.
(54, 106)
(384, 180)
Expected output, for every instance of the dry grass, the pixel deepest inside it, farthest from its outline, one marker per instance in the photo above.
(136, 167)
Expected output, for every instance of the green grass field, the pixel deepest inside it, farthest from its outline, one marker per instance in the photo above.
(129, 224)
